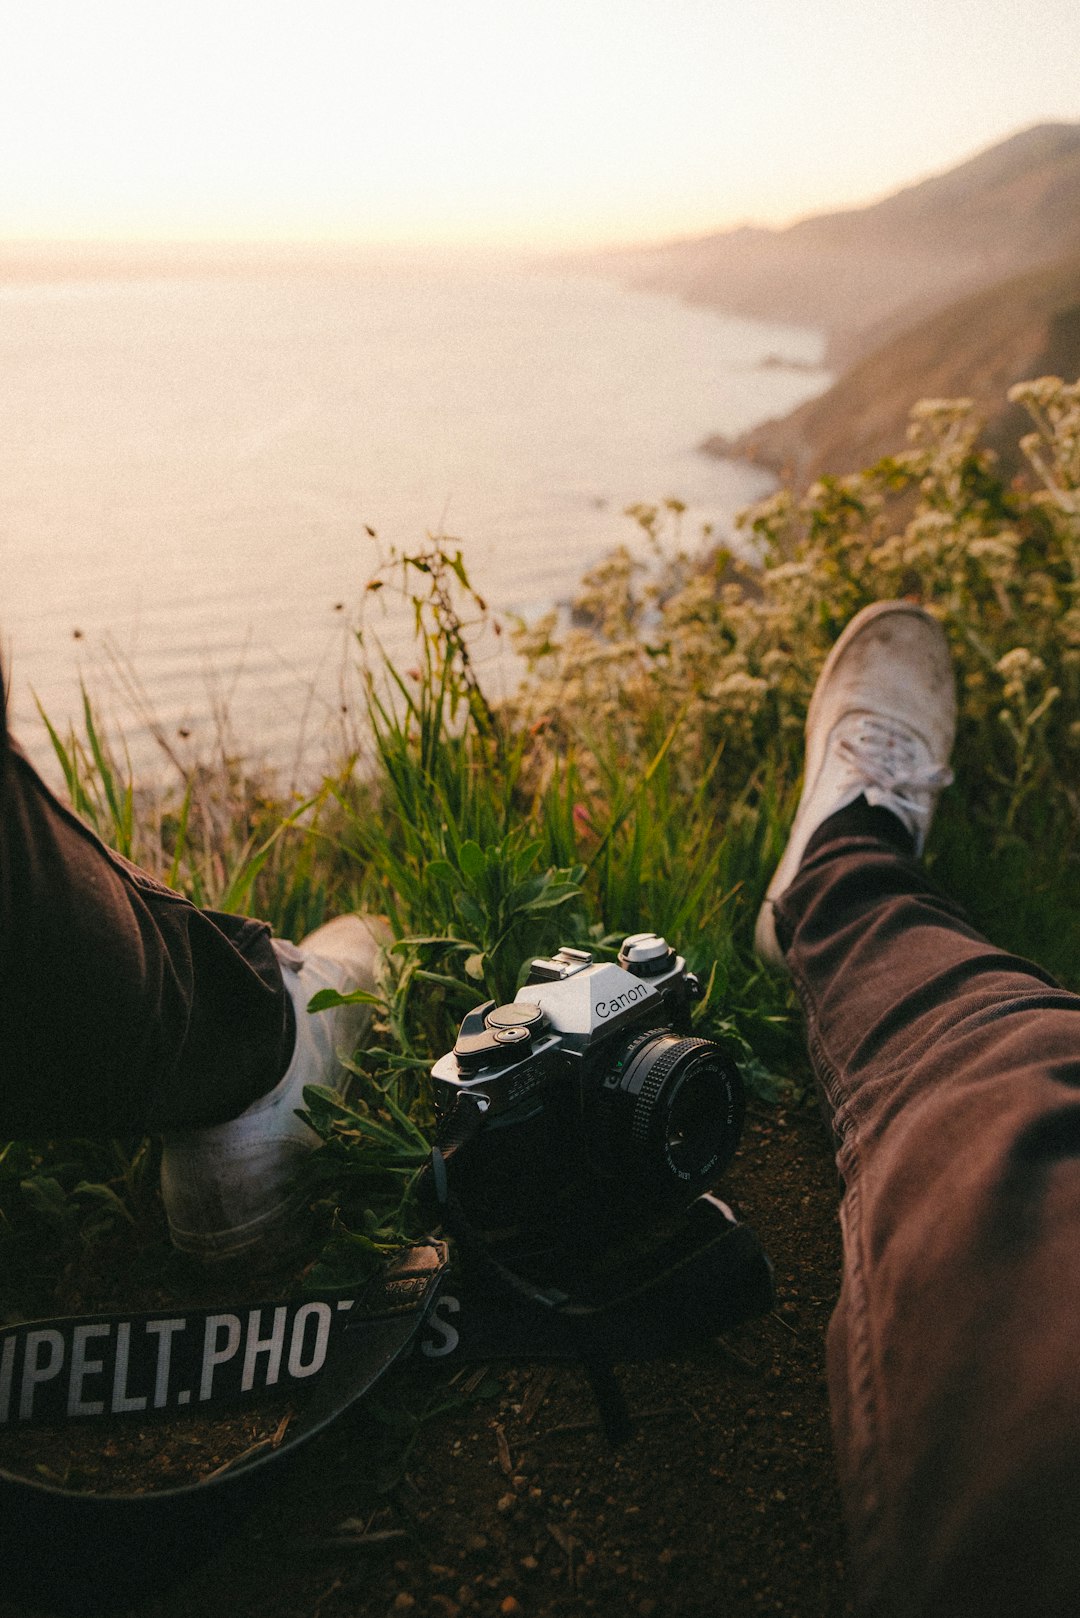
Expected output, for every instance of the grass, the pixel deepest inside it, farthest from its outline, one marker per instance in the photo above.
(644, 776)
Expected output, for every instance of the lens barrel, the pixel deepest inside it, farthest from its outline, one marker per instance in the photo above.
(669, 1114)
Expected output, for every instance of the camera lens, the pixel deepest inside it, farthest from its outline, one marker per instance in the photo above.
(670, 1111)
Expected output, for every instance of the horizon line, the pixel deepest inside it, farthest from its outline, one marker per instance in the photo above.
(572, 244)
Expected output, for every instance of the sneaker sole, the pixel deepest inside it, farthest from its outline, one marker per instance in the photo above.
(262, 1243)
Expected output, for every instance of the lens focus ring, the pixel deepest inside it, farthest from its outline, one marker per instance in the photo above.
(655, 1080)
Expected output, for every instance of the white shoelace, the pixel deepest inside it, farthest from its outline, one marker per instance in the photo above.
(884, 755)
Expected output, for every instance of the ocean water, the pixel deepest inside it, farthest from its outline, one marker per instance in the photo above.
(189, 467)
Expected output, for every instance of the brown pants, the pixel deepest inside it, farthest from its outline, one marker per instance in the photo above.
(951, 1074)
(123, 1008)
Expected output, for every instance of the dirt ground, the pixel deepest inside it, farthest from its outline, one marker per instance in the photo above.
(511, 1502)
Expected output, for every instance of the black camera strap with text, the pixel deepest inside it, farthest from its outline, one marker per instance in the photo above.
(81, 1549)
(325, 1352)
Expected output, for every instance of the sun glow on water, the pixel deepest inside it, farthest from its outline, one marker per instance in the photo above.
(187, 464)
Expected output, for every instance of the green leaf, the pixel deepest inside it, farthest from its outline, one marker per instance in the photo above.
(457, 566)
(471, 860)
(525, 858)
(47, 1196)
(556, 895)
(107, 1197)
(473, 913)
(326, 999)
(771, 1087)
(444, 979)
(442, 871)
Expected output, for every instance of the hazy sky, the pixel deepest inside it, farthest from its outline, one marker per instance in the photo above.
(526, 122)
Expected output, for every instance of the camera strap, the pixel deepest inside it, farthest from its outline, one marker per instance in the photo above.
(710, 1274)
(702, 1276)
(326, 1351)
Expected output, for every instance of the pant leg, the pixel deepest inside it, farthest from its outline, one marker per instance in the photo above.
(123, 1008)
(952, 1075)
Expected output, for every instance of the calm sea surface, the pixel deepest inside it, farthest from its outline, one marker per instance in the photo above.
(188, 467)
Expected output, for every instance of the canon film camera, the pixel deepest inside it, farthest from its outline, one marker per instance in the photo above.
(590, 1105)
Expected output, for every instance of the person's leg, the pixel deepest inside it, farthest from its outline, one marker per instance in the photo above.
(951, 1073)
(124, 1010)
(952, 1076)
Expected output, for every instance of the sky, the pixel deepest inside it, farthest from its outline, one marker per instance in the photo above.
(520, 123)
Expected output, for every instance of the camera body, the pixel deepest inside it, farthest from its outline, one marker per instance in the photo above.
(600, 1108)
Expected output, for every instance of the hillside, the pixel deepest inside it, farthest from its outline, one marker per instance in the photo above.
(865, 273)
(1028, 326)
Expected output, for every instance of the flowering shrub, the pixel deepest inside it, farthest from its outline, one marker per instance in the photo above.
(727, 648)
(733, 648)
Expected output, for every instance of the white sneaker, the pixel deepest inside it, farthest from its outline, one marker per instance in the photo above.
(228, 1189)
(881, 725)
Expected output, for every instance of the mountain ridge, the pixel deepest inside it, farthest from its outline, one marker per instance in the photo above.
(1025, 326)
(862, 274)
